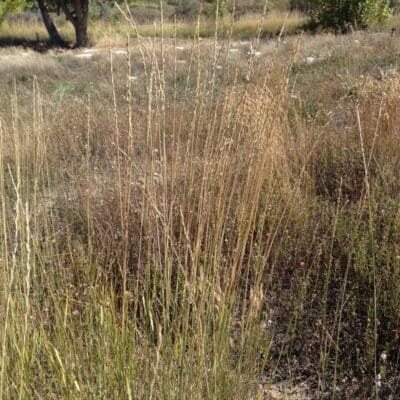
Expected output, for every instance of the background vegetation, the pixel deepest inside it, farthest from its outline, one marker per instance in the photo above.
(347, 14)
(180, 19)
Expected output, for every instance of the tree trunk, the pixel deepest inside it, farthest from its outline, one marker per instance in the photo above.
(78, 16)
(54, 36)
(82, 39)
(80, 22)
(81, 30)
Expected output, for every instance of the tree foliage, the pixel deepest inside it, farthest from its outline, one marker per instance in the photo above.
(11, 6)
(342, 14)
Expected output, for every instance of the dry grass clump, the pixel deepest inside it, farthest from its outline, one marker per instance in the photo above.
(19, 64)
(23, 29)
(136, 239)
(200, 231)
(19, 31)
(273, 23)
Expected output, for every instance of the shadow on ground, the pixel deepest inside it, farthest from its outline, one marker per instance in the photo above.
(39, 45)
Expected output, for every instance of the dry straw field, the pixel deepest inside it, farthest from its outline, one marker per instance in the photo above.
(201, 219)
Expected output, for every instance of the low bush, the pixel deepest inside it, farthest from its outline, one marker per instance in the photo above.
(349, 13)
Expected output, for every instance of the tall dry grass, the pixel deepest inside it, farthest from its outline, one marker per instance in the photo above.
(198, 236)
(132, 263)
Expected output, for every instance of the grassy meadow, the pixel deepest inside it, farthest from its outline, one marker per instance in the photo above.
(207, 218)
(18, 31)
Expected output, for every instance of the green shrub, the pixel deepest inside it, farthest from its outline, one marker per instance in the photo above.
(343, 14)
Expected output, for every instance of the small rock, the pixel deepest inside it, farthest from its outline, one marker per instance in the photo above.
(84, 55)
(310, 60)
(120, 52)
